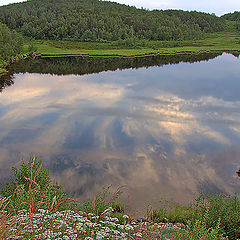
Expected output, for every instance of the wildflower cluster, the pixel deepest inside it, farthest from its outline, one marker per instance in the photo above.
(80, 225)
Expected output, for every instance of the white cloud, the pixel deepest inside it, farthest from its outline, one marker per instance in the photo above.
(5, 2)
(153, 4)
(215, 6)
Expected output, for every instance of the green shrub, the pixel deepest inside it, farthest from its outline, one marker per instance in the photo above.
(21, 176)
(31, 188)
(177, 214)
(212, 209)
(199, 230)
(159, 215)
(219, 213)
(105, 204)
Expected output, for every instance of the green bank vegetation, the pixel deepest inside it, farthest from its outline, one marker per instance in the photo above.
(220, 210)
(12, 47)
(32, 207)
(11, 44)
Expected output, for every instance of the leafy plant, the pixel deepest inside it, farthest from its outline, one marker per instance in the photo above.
(104, 203)
(199, 230)
(219, 213)
(178, 214)
(22, 175)
(226, 209)
(31, 188)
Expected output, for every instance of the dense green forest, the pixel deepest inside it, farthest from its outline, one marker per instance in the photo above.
(11, 43)
(233, 17)
(95, 20)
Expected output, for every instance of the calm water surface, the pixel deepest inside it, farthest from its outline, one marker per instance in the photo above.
(165, 132)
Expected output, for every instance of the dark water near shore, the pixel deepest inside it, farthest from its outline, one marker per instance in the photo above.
(167, 127)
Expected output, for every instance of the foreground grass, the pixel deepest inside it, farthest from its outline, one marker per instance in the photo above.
(219, 211)
(32, 208)
(82, 225)
(222, 41)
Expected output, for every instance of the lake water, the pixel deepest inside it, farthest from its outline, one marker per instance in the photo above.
(164, 127)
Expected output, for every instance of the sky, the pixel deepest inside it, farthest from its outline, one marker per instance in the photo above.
(219, 7)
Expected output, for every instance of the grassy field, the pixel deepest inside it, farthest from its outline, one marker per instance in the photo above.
(59, 48)
(223, 41)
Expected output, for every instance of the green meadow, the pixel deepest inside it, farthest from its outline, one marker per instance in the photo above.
(222, 41)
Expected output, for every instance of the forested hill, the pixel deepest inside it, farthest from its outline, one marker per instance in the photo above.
(95, 20)
(232, 16)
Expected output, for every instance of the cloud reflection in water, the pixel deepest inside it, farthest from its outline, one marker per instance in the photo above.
(164, 132)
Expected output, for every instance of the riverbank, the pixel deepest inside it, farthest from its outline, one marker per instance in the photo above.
(4, 65)
(214, 42)
(227, 41)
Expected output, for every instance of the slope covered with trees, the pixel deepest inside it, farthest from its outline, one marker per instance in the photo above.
(233, 17)
(95, 20)
(11, 43)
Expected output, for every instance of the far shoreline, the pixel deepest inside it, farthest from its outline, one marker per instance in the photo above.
(4, 71)
(220, 42)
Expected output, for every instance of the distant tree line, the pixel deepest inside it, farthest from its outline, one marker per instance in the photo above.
(233, 17)
(95, 20)
(11, 43)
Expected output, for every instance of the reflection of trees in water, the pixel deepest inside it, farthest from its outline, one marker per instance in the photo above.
(88, 65)
(5, 81)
